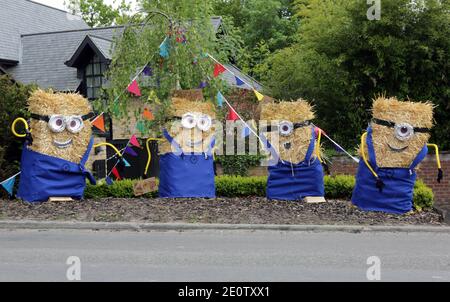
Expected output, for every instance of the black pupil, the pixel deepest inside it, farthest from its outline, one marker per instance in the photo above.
(58, 122)
(73, 124)
(404, 130)
(285, 128)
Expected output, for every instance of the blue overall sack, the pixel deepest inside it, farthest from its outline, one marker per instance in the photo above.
(43, 176)
(396, 195)
(288, 181)
(186, 175)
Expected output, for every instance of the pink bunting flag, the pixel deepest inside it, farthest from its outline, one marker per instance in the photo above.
(134, 88)
(134, 141)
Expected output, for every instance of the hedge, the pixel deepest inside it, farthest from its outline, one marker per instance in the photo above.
(336, 187)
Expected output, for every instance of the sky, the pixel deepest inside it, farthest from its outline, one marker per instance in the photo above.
(60, 3)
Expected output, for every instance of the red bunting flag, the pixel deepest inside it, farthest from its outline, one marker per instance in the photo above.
(116, 173)
(218, 69)
(99, 123)
(134, 141)
(232, 115)
(148, 115)
(134, 88)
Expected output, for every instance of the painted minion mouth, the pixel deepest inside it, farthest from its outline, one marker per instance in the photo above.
(190, 143)
(397, 149)
(287, 145)
(63, 145)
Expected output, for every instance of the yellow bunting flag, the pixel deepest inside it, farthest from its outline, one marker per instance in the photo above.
(259, 95)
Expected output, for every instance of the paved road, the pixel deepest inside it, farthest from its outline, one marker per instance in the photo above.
(29, 255)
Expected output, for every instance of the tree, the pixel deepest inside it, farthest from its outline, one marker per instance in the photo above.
(342, 61)
(187, 29)
(96, 13)
(264, 27)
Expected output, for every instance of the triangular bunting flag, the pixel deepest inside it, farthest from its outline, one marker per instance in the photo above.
(116, 108)
(134, 88)
(115, 173)
(232, 115)
(220, 99)
(164, 48)
(259, 95)
(140, 126)
(148, 115)
(134, 141)
(125, 162)
(109, 181)
(148, 71)
(130, 151)
(99, 123)
(8, 185)
(218, 69)
(239, 82)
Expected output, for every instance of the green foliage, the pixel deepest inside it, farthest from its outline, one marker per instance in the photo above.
(264, 27)
(13, 104)
(238, 186)
(185, 68)
(238, 164)
(97, 13)
(339, 187)
(342, 61)
(423, 196)
(336, 187)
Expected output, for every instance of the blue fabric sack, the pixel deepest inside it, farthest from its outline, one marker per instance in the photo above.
(186, 175)
(396, 195)
(288, 181)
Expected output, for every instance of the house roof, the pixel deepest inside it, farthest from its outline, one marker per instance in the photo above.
(44, 55)
(19, 17)
(47, 59)
(100, 46)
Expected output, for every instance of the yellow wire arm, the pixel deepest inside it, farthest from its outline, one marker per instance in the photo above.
(364, 156)
(319, 137)
(436, 149)
(149, 153)
(109, 145)
(25, 123)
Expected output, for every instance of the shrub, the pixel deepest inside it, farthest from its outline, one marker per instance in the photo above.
(336, 187)
(423, 196)
(238, 164)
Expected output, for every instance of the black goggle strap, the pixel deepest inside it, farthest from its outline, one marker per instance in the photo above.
(392, 125)
(46, 118)
(270, 128)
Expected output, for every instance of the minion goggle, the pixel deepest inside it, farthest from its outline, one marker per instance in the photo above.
(201, 121)
(58, 123)
(402, 131)
(286, 128)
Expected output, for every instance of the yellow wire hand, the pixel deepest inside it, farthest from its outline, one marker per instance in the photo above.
(25, 123)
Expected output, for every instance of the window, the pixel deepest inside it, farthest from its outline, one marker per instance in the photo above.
(94, 77)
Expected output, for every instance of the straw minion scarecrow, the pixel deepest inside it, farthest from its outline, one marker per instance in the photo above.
(58, 142)
(391, 149)
(295, 169)
(186, 155)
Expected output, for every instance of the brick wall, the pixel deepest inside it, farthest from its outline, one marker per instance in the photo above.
(427, 172)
